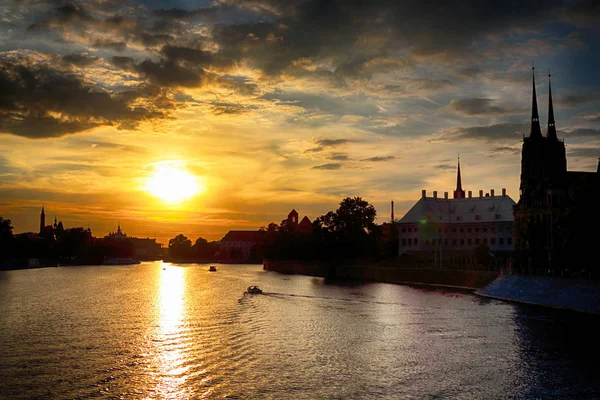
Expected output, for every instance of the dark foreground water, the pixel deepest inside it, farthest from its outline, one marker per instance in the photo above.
(185, 333)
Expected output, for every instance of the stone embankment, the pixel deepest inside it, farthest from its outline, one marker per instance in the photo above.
(568, 294)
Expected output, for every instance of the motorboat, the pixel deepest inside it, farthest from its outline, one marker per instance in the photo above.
(212, 268)
(254, 290)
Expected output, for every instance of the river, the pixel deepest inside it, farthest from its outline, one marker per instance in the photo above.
(163, 331)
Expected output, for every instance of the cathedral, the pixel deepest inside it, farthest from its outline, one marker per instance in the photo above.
(557, 213)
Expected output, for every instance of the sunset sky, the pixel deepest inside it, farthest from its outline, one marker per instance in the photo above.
(270, 105)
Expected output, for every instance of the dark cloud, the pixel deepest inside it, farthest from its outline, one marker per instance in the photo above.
(334, 29)
(445, 167)
(155, 39)
(328, 166)
(126, 63)
(584, 152)
(338, 157)
(469, 72)
(332, 142)
(170, 73)
(38, 101)
(581, 132)
(208, 13)
(220, 108)
(481, 107)
(579, 100)
(79, 60)
(378, 159)
(314, 150)
(505, 150)
(110, 44)
(495, 132)
(583, 13)
(199, 57)
(184, 66)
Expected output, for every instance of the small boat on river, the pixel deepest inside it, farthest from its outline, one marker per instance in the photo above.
(212, 268)
(254, 290)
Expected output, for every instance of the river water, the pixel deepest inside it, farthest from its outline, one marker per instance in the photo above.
(163, 331)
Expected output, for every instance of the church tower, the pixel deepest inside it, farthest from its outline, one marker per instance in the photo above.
(292, 218)
(42, 220)
(459, 193)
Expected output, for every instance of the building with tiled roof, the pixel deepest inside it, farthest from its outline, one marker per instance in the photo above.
(305, 226)
(238, 245)
(438, 225)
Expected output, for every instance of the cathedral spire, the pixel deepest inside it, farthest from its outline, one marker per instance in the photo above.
(458, 180)
(459, 193)
(42, 220)
(535, 130)
(551, 125)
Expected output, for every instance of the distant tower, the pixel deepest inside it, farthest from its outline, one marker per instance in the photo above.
(292, 218)
(535, 131)
(459, 193)
(551, 125)
(392, 211)
(55, 222)
(42, 220)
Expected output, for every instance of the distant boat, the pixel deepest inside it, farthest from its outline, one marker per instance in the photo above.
(120, 261)
(254, 290)
(212, 268)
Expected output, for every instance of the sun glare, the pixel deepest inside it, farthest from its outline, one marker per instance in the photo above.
(173, 184)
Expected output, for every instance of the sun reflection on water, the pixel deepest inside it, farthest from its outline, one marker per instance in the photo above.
(169, 338)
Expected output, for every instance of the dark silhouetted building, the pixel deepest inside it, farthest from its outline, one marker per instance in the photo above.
(304, 226)
(143, 248)
(238, 245)
(557, 213)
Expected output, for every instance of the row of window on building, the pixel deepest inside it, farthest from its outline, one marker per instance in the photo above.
(457, 242)
(462, 229)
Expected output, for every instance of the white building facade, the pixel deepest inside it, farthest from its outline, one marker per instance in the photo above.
(438, 225)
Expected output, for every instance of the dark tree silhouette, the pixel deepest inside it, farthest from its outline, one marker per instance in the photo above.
(205, 250)
(350, 231)
(6, 237)
(180, 247)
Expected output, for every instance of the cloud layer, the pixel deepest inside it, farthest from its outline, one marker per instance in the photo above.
(306, 100)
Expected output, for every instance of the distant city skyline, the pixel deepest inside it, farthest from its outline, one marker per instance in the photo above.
(208, 116)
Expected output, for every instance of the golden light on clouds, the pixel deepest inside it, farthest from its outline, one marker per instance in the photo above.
(173, 184)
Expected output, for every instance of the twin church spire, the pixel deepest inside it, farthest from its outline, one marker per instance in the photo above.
(535, 130)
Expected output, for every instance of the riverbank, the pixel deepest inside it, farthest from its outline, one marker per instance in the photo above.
(566, 294)
(389, 273)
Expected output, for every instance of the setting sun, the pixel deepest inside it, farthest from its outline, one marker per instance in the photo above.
(173, 184)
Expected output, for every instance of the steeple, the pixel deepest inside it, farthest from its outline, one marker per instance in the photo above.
(459, 193)
(551, 127)
(42, 220)
(535, 130)
(292, 218)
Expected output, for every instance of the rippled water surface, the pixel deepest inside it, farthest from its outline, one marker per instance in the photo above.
(180, 332)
